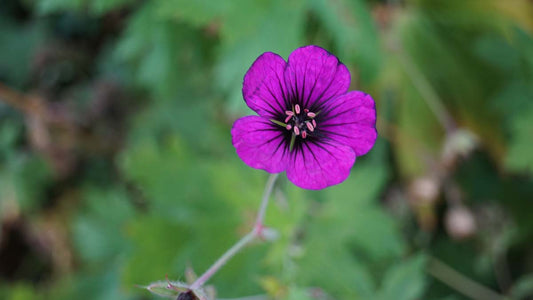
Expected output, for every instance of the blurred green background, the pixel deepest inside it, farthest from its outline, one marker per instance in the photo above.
(116, 163)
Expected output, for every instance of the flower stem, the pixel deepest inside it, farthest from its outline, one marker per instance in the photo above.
(245, 240)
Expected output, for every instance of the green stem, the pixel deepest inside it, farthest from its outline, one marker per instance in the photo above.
(256, 231)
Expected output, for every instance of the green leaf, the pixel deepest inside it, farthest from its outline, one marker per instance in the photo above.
(519, 157)
(352, 28)
(405, 280)
(523, 287)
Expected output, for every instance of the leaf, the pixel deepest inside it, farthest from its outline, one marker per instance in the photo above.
(523, 287)
(519, 157)
(352, 28)
(97, 7)
(249, 31)
(350, 237)
(405, 280)
(99, 230)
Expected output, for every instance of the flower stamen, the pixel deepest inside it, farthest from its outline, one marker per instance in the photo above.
(309, 126)
(304, 134)
(296, 130)
(297, 109)
(311, 114)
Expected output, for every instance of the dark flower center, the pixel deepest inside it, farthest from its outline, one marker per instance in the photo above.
(300, 121)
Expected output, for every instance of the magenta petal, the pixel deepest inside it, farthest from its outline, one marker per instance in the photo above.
(319, 165)
(259, 144)
(350, 119)
(314, 76)
(263, 87)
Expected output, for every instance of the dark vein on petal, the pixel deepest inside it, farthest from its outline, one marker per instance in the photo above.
(275, 99)
(319, 104)
(285, 97)
(318, 162)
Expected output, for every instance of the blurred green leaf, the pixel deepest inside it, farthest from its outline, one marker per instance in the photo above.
(353, 30)
(404, 280)
(523, 288)
(97, 7)
(519, 156)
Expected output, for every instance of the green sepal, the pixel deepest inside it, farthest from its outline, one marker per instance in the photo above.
(278, 123)
(291, 145)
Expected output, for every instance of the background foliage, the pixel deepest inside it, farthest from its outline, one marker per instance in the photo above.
(116, 163)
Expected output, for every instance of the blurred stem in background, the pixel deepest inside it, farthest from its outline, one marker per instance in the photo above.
(459, 282)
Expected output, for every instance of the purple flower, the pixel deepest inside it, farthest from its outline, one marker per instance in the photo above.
(309, 125)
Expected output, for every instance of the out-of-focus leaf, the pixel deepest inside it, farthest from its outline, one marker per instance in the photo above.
(99, 232)
(248, 31)
(299, 294)
(523, 288)
(164, 54)
(519, 156)
(353, 30)
(21, 292)
(351, 236)
(24, 179)
(18, 44)
(404, 280)
(97, 7)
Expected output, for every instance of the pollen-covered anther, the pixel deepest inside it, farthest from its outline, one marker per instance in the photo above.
(288, 118)
(296, 130)
(289, 113)
(289, 126)
(297, 109)
(304, 134)
(314, 123)
(309, 126)
(311, 114)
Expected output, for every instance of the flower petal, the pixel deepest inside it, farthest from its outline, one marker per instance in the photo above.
(263, 87)
(260, 144)
(314, 76)
(319, 164)
(350, 119)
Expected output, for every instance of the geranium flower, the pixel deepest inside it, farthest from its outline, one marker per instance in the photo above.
(308, 124)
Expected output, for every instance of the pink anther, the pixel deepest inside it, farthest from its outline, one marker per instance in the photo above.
(287, 119)
(304, 134)
(311, 114)
(306, 110)
(309, 126)
(296, 130)
(289, 126)
(297, 109)
(314, 123)
(289, 113)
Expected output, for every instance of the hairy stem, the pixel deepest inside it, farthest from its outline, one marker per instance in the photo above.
(256, 231)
